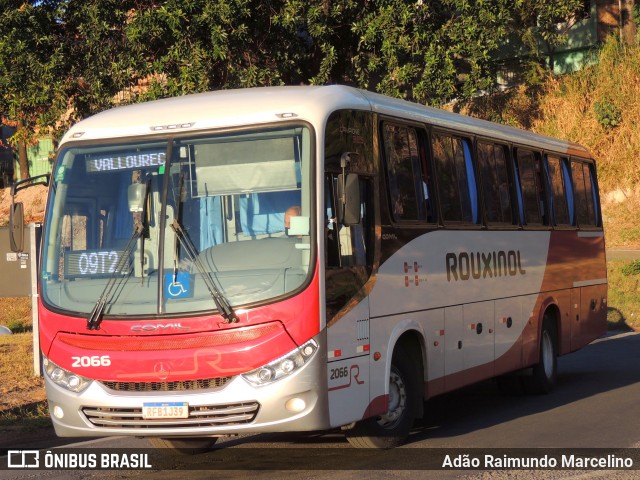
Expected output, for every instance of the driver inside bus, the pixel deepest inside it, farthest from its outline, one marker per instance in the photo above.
(293, 211)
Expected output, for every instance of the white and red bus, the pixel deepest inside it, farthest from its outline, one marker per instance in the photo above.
(307, 258)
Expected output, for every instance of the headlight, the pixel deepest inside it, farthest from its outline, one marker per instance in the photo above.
(284, 366)
(64, 378)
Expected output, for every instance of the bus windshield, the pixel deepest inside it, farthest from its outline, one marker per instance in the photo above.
(158, 227)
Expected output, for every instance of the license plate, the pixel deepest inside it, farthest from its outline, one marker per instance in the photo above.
(154, 411)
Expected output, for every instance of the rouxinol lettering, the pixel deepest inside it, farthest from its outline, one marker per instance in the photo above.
(476, 265)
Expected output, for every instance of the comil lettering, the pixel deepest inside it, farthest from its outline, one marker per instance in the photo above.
(477, 265)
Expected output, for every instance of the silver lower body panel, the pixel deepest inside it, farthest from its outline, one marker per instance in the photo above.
(234, 408)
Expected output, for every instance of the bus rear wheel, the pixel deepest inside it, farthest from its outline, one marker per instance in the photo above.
(544, 373)
(185, 446)
(391, 429)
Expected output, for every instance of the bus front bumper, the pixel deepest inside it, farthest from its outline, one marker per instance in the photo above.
(294, 403)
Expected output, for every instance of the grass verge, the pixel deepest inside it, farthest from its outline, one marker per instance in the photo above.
(22, 397)
(624, 294)
(31, 416)
(21, 391)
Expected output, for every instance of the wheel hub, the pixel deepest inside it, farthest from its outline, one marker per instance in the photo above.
(397, 401)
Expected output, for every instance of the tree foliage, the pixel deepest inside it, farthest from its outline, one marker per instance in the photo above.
(66, 59)
(29, 56)
(186, 46)
(430, 51)
(536, 24)
(98, 60)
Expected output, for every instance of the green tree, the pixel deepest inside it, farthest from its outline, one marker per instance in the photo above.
(430, 51)
(426, 51)
(99, 62)
(542, 26)
(61, 60)
(186, 46)
(29, 75)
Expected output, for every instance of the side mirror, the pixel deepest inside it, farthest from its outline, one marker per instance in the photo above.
(348, 199)
(16, 216)
(16, 227)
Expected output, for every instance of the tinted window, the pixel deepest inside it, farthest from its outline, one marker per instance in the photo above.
(492, 160)
(585, 198)
(407, 190)
(456, 180)
(557, 173)
(531, 187)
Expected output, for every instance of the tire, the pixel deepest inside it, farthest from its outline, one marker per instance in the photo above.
(391, 429)
(184, 446)
(545, 372)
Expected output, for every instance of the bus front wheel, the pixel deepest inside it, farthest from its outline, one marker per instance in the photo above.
(391, 429)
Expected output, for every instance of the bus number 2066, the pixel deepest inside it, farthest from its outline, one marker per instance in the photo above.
(93, 361)
(341, 372)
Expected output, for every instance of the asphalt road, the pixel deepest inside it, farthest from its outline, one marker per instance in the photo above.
(595, 405)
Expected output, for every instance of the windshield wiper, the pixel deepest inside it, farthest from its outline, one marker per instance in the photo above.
(145, 226)
(95, 318)
(221, 303)
(140, 230)
(182, 193)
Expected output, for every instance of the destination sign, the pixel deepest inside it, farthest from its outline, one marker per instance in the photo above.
(126, 161)
(93, 263)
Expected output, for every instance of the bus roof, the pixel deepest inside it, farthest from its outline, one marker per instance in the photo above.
(229, 108)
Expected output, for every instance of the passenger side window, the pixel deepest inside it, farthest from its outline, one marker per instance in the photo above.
(531, 187)
(494, 176)
(559, 186)
(408, 192)
(456, 178)
(585, 194)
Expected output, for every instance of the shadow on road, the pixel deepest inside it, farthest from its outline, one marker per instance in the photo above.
(608, 364)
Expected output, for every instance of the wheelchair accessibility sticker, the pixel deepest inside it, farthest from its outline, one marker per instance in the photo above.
(177, 286)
